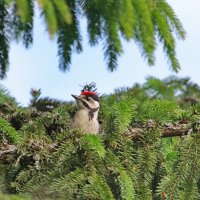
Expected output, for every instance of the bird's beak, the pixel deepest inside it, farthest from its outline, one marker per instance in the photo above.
(76, 97)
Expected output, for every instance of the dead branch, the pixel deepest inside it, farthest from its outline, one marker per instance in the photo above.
(166, 130)
(6, 150)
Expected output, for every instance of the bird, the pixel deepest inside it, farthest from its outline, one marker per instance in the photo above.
(86, 117)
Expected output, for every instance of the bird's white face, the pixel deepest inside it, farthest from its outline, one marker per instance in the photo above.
(84, 102)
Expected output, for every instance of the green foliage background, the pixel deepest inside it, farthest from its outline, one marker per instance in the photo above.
(51, 161)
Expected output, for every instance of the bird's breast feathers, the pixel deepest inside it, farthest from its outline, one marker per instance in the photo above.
(82, 121)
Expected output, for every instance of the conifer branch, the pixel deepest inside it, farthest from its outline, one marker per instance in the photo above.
(6, 150)
(166, 130)
(176, 129)
(4, 41)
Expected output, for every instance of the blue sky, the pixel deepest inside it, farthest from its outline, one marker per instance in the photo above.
(37, 67)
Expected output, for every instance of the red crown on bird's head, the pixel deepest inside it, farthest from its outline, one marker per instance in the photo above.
(88, 93)
(89, 90)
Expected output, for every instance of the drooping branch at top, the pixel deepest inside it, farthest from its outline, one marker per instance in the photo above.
(109, 22)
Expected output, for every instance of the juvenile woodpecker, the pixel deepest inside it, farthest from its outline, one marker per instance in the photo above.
(86, 116)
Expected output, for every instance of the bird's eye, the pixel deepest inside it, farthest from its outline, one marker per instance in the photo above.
(84, 97)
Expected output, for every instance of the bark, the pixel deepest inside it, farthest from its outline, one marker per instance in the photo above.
(166, 130)
(6, 150)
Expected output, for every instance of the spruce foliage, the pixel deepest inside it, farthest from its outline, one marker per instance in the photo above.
(109, 22)
(8, 132)
(42, 158)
